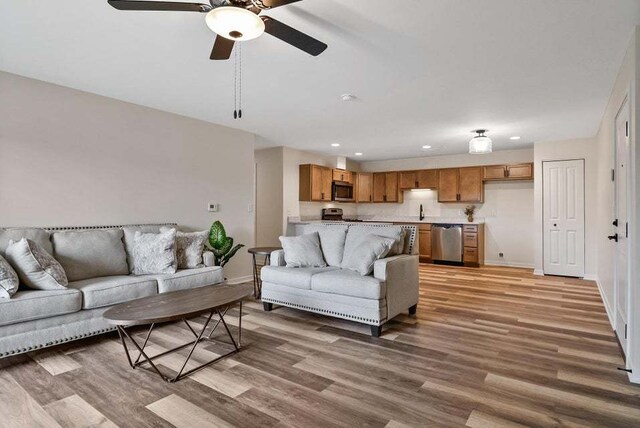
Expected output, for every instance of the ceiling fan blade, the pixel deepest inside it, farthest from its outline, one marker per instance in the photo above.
(159, 5)
(270, 4)
(222, 48)
(293, 37)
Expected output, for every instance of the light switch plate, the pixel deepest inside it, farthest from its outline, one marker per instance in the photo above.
(213, 207)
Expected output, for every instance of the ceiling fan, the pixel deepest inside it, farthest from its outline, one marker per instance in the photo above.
(234, 20)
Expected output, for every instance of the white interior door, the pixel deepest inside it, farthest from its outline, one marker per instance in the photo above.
(621, 224)
(563, 219)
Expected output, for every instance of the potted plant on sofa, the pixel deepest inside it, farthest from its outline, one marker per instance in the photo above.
(221, 245)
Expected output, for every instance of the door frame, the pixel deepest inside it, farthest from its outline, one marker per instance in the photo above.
(584, 211)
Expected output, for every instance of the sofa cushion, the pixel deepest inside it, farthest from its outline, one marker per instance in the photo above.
(302, 251)
(154, 252)
(189, 278)
(36, 304)
(35, 267)
(90, 253)
(358, 232)
(347, 282)
(110, 290)
(291, 277)
(39, 236)
(8, 280)
(129, 234)
(369, 249)
(189, 247)
(332, 239)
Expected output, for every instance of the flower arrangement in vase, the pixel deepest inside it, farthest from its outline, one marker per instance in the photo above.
(469, 210)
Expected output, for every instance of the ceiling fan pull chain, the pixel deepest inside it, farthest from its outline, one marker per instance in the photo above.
(240, 82)
(235, 84)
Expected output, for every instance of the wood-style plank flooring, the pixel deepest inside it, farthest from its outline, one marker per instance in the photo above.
(489, 347)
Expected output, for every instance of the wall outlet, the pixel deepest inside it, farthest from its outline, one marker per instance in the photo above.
(212, 207)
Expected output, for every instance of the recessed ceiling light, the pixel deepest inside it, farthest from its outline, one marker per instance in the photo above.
(358, 153)
(514, 138)
(347, 97)
(335, 144)
(426, 147)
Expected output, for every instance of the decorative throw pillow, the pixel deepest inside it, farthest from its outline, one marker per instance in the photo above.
(189, 247)
(8, 280)
(36, 268)
(332, 239)
(302, 251)
(368, 250)
(154, 252)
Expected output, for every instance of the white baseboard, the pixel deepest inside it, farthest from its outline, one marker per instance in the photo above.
(507, 264)
(603, 296)
(538, 272)
(240, 279)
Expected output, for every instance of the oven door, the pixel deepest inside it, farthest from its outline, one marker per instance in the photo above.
(342, 191)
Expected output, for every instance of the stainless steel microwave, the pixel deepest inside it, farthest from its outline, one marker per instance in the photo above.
(342, 191)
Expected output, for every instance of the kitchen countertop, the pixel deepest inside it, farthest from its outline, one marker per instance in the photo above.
(392, 219)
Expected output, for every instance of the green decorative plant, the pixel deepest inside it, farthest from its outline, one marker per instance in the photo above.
(221, 244)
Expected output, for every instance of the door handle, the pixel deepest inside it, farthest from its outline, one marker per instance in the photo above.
(613, 237)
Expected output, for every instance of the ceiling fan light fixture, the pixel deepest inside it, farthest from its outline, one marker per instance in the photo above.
(235, 23)
(480, 144)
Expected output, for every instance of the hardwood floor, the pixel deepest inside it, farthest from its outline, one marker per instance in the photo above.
(489, 347)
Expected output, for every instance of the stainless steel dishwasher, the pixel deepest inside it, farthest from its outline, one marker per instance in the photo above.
(446, 243)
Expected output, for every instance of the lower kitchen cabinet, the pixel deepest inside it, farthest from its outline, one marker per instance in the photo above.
(473, 245)
(424, 240)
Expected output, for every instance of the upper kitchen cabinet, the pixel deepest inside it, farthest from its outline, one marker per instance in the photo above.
(364, 187)
(422, 179)
(343, 175)
(315, 183)
(460, 185)
(522, 171)
(386, 187)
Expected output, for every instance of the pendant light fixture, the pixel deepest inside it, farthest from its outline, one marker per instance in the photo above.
(480, 144)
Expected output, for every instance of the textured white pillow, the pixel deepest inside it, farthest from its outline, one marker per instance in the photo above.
(154, 252)
(303, 250)
(368, 250)
(189, 247)
(36, 268)
(8, 280)
(332, 239)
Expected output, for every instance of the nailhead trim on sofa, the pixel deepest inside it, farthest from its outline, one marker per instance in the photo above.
(56, 342)
(324, 311)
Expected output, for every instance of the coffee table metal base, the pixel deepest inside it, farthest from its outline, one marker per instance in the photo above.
(199, 337)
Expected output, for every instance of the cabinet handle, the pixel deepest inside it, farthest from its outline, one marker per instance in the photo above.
(417, 184)
(322, 195)
(506, 170)
(369, 198)
(384, 198)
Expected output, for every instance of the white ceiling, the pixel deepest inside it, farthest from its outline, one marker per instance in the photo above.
(424, 71)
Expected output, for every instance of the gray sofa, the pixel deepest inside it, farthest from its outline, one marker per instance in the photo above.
(34, 319)
(372, 299)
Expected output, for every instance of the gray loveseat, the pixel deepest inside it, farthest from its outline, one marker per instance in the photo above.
(371, 299)
(34, 319)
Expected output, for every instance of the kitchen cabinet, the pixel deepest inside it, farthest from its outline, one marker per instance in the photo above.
(473, 245)
(364, 187)
(522, 171)
(315, 183)
(343, 175)
(421, 179)
(424, 240)
(385, 187)
(460, 185)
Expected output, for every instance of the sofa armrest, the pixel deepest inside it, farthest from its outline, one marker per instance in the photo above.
(400, 273)
(277, 258)
(208, 259)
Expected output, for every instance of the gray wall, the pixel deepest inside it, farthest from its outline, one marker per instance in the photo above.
(72, 158)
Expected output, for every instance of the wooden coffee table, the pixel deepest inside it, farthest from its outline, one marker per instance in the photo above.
(179, 306)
